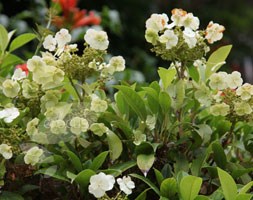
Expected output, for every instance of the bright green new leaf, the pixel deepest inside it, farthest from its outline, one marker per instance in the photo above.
(216, 60)
(21, 40)
(169, 187)
(98, 161)
(246, 188)
(201, 197)
(75, 160)
(148, 182)
(159, 176)
(189, 187)
(134, 101)
(121, 103)
(3, 38)
(194, 73)
(167, 76)
(115, 145)
(228, 185)
(244, 197)
(145, 162)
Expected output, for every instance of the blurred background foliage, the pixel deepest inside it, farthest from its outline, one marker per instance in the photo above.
(124, 20)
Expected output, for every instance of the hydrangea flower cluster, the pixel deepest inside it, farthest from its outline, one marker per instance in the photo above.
(101, 183)
(232, 97)
(181, 40)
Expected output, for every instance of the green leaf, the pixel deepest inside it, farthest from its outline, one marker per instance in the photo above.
(152, 98)
(169, 187)
(27, 188)
(180, 94)
(115, 145)
(71, 176)
(4, 38)
(164, 101)
(216, 60)
(219, 155)
(142, 195)
(189, 187)
(52, 172)
(148, 182)
(244, 197)
(228, 185)
(98, 161)
(246, 188)
(194, 73)
(167, 76)
(121, 103)
(10, 196)
(134, 101)
(83, 179)
(145, 162)
(75, 160)
(159, 176)
(118, 169)
(201, 197)
(21, 40)
(10, 60)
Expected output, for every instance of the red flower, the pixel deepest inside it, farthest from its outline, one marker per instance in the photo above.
(23, 67)
(73, 17)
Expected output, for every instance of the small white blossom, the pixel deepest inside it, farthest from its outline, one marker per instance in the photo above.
(157, 22)
(242, 108)
(214, 32)
(218, 81)
(190, 21)
(126, 184)
(49, 43)
(169, 38)
(234, 80)
(97, 39)
(100, 183)
(10, 88)
(33, 155)
(78, 125)
(6, 151)
(190, 37)
(58, 126)
(178, 16)
(9, 114)
(219, 109)
(18, 74)
(62, 37)
(245, 91)
(117, 63)
(97, 104)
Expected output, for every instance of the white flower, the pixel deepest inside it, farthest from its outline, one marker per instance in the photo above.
(62, 37)
(49, 43)
(169, 38)
(190, 21)
(58, 126)
(218, 81)
(139, 137)
(234, 80)
(5, 150)
(78, 125)
(9, 114)
(35, 63)
(33, 155)
(10, 88)
(178, 16)
(157, 22)
(190, 37)
(242, 108)
(126, 184)
(245, 91)
(18, 75)
(100, 183)
(97, 39)
(117, 63)
(214, 32)
(97, 104)
(219, 109)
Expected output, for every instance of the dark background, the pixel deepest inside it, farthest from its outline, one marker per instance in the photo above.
(236, 16)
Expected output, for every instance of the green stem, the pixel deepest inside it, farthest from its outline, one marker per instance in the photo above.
(73, 85)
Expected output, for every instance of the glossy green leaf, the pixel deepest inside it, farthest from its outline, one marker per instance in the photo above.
(244, 197)
(134, 101)
(142, 195)
(121, 103)
(228, 185)
(83, 178)
(165, 101)
(115, 145)
(21, 40)
(167, 76)
(169, 187)
(219, 155)
(189, 187)
(217, 59)
(145, 162)
(4, 38)
(246, 188)
(159, 176)
(98, 161)
(194, 73)
(75, 160)
(148, 182)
